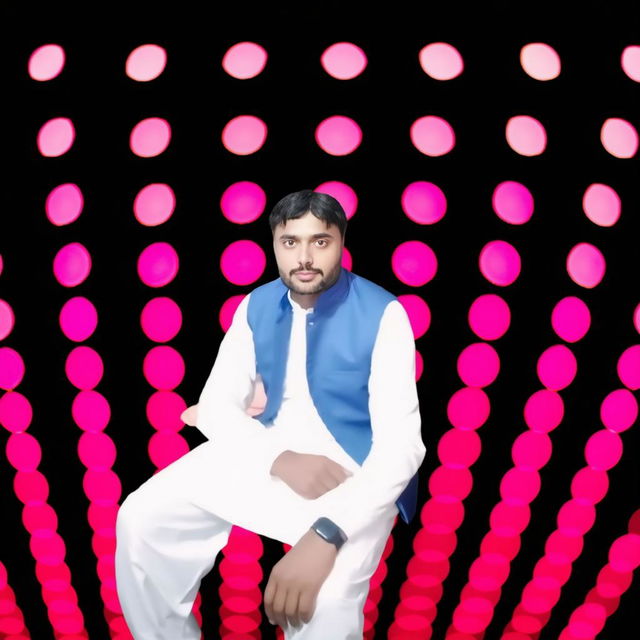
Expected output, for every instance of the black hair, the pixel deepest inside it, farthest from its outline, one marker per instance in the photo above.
(322, 206)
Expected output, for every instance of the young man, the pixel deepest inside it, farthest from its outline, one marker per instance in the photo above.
(326, 466)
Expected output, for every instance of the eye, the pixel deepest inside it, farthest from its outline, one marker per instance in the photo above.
(323, 240)
(288, 240)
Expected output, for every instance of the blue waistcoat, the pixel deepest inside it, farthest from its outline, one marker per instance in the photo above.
(341, 332)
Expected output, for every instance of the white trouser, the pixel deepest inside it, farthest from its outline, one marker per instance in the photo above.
(168, 538)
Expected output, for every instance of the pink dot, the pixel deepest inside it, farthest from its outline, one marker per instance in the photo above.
(150, 137)
(509, 519)
(519, 486)
(557, 367)
(78, 319)
(23, 452)
(161, 319)
(489, 316)
(84, 367)
(478, 365)
(442, 514)
(544, 410)
(146, 62)
(102, 486)
(164, 409)
(91, 411)
(540, 61)
(228, 310)
(628, 367)
(158, 264)
(31, 487)
(418, 312)
(35, 517)
(571, 319)
(539, 600)
(72, 264)
(619, 138)
(468, 408)
(154, 204)
(163, 367)
(56, 137)
(343, 60)
(512, 202)
(603, 450)
(244, 60)
(11, 368)
(243, 202)
(414, 263)
(612, 583)
(64, 204)
(619, 410)
(459, 449)
(48, 547)
(343, 193)
(96, 450)
(587, 620)
(15, 412)
(589, 485)
(244, 135)
(624, 554)
(243, 262)
(338, 135)
(526, 135)
(453, 482)
(630, 62)
(531, 450)
(166, 447)
(46, 62)
(432, 135)
(601, 204)
(636, 319)
(499, 262)
(489, 571)
(586, 265)
(560, 549)
(424, 202)
(441, 61)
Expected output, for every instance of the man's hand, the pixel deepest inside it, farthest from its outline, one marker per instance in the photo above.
(309, 475)
(295, 580)
(190, 415)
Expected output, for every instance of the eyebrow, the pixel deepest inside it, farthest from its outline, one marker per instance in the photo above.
(288, 236)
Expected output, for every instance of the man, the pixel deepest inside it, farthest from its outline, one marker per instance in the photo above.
(326, 466)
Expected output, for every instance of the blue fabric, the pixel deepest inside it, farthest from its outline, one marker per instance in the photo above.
(341, 333)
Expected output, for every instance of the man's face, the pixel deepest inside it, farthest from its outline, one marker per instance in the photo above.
(307, 244)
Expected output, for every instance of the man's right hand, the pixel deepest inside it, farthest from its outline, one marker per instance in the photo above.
(309, 475)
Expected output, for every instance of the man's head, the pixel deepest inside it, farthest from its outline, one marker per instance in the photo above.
(308, 235)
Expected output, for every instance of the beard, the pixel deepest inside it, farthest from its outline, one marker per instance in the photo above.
(325, 281)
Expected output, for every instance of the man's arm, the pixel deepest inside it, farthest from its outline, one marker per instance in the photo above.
(229, 389)
(397, 450)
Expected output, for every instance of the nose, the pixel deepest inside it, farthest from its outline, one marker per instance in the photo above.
(305, 258)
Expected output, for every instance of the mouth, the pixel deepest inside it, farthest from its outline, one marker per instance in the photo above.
(306, 275)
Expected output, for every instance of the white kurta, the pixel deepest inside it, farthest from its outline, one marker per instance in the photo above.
(241, 450)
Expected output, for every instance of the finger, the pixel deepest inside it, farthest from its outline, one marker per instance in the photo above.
(269, 594)
(279, 602)
(306, 606)
(291, 607)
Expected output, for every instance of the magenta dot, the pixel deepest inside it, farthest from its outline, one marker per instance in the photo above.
(102, 486)
(343, 60)
(540, 61)
(459, 449)
(619, 138)
(414, 263)
(586, 265)
(526, 135)
(531, 450)
(91, 411)
(243, 202)
(624, 554)
(244, 60)
(489, 571)
(96, 450)
(557, 367)
(544, 410)
(468, 408)
(447, 481)
(47, 546)
(489, 316)
(587, 620)
(560, 548)
(154, 204)
(158, 264)
(7, 317)
(343, 193)
(571, 319)
(423, 202)
(628, 367)
(507, 546)
(441, 61)
(630, 62)
(537, 600)
(519, 486)
(228, 310)
(432, 136)
(55, 137)
(442, 514)
(512, 202)
(619, 410)
(150, 137)
(161, 319)
(146, 62)
(499, 262)
(244, 135)
(590, 485)
(39, 516)
(576, 518)
(15, 411)
(418, 312)
(601, 204)
(509, 519)
(612, 583)
(338, 135)
(64, 204)
(243, 262)
(603, 449)
(46, 62)
(478, 365)
(84, 367)
(11, 368)
(164, 409)
(31, 487)
(23, 452)
(72, 264)
(78, 319)
(166, 447)
(163, 367)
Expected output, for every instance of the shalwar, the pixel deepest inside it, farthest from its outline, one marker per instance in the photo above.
(170, 529)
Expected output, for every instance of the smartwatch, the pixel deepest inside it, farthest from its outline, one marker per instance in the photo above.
(330, 531)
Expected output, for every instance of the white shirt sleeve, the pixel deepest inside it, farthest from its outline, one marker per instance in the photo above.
(397, 449)
(228, 392)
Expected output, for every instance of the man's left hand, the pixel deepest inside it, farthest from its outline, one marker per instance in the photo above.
(295, 580)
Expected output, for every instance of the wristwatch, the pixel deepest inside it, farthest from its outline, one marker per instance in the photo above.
(330, 531)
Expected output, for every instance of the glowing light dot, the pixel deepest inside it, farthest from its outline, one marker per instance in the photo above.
(619, 137)
(540, 61)
(500, 262)
(146, 62)
(432, 136)
(244, 135)
(338, 135)
(601, 204)
(526, 135)
(244, 60)
(586, 265)
(441, 61)
(343, 60)
(512, 202)
(243, 202)
(46, 62)
(56, 137)
(343, 193)
(630, 62)
(150, 137)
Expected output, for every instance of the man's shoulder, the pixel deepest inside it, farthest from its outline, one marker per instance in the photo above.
(368, 286)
